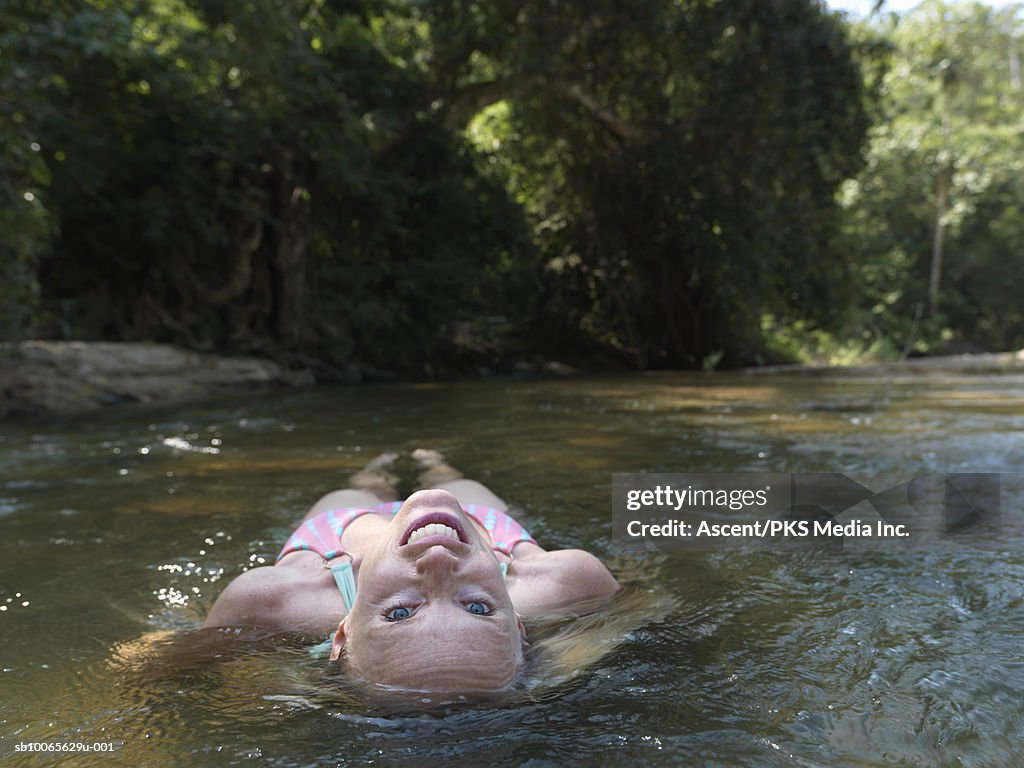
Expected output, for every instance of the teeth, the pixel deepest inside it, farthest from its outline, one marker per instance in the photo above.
(433, 529)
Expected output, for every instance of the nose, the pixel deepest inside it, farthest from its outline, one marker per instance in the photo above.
(437, 561)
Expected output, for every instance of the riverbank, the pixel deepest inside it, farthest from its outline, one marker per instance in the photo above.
(45, 380)
(41, 380)
(982, 363)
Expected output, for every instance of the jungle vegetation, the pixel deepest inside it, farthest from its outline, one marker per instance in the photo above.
(432, 186)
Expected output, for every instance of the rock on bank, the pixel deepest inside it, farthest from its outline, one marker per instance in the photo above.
(48, 379)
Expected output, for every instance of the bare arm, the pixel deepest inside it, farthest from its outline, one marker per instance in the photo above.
(253, 599)
(559, 580)
(295, 598)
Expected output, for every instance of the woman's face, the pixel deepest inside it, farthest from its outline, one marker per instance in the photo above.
(432, 611)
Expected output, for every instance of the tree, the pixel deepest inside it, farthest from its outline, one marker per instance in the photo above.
(307, 176)
(255, 176)
(679, 161)
(26, 222)
(949, 150)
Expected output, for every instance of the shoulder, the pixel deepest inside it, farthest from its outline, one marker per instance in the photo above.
(560, 579)
(257, 597)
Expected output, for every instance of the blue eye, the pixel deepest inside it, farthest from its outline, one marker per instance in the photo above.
(398, 613)
(480, 609)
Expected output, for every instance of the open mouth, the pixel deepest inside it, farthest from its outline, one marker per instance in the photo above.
(435, 524)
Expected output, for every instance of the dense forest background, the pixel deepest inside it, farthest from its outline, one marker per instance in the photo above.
(432, 187)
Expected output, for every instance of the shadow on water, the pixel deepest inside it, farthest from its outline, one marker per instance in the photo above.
(117, 537)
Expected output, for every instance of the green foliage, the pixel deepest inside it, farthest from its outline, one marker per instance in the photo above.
(26, 223)
(798, 342)
(353, 178)
(708, 200)
(242, 175)
(952, 100)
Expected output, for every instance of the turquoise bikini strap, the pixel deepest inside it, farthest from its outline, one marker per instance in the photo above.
(345, 578)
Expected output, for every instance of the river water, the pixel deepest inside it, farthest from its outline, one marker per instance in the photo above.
(119, 532)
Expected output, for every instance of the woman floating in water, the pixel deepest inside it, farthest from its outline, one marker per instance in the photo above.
(426, 594)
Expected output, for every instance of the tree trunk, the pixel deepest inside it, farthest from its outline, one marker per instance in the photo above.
(939, 239)
(944, 182)
(288, 256)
